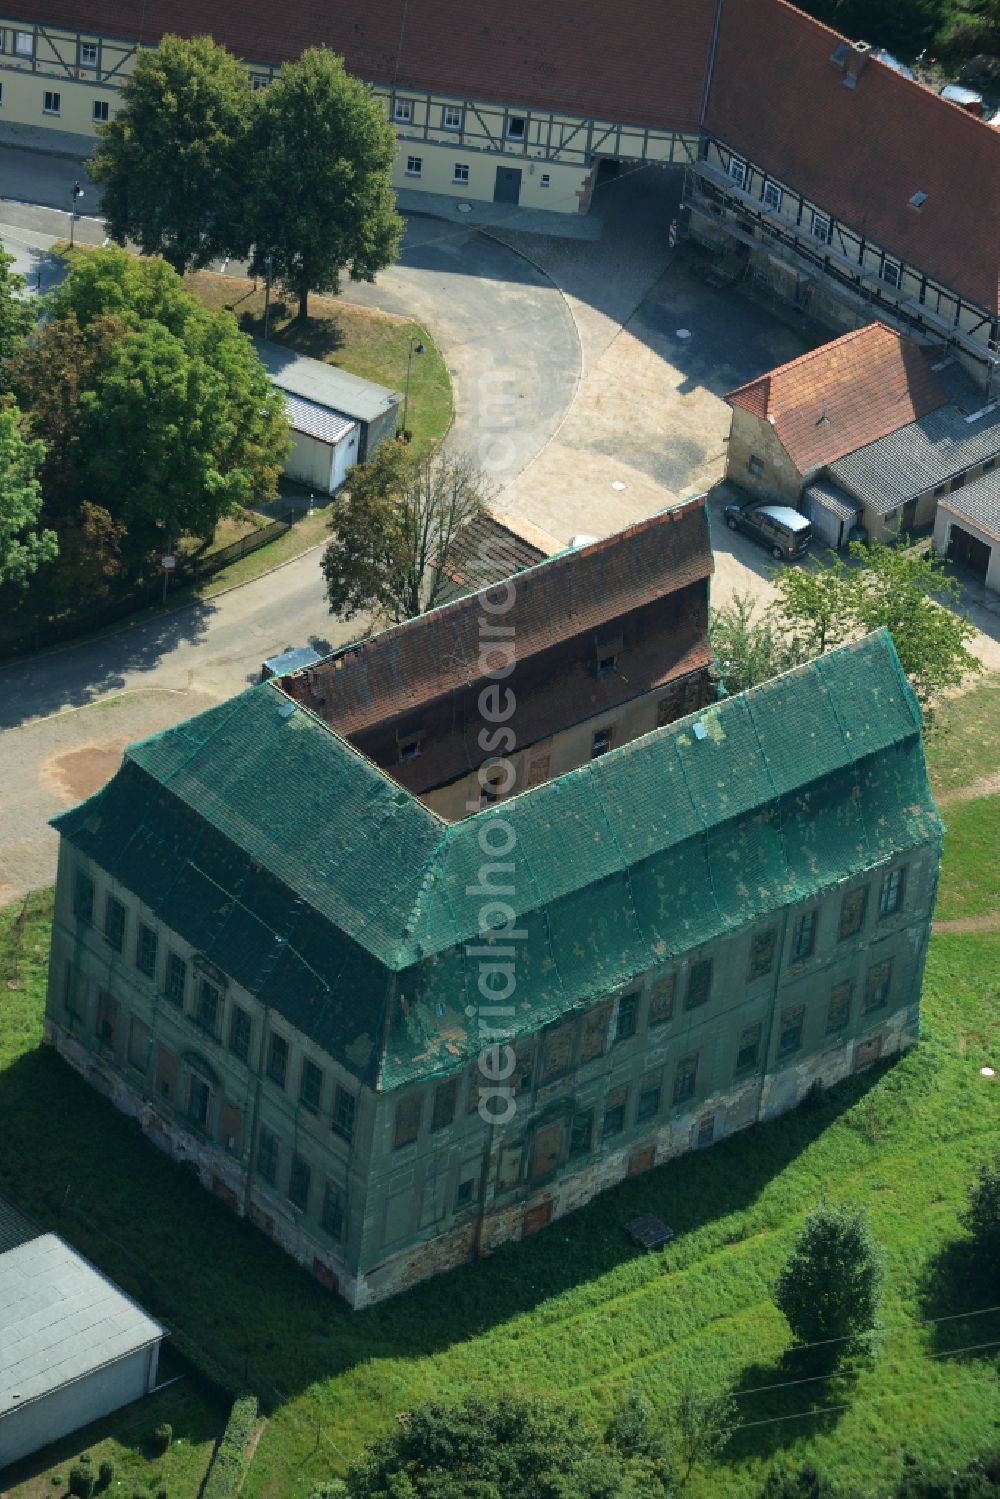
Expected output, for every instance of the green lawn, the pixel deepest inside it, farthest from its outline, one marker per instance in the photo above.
(966, 745)
(124, 1440)
(368, 343)
(576, 1310)
(970, 870)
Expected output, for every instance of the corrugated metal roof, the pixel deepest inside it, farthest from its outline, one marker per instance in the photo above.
(833, 499)
(61, 1319)
(324, 384)
(978, 502)
(317, 421)
(887, 473)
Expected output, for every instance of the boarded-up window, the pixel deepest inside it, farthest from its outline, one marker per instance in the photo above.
(510, 1166)
(138, 1044)
(230, 1128)
(661, 1000)
(790, 1032)
(852, 912)
(557, 1050)
(685, 1078)
(594, 1035)
(762, 946)
(166, 1072)
(407, 1121)
(539, 768)
(107, 1019)
(582, 1133)
(547, 1149)
(650, 1096)
(445, 1098)
(839, 1011)
(699, 984)
(877, 986)
(614, 1113)
(524, 1065)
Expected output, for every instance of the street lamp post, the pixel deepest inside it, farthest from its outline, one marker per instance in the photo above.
(267, 295)
(416, 347)
(77, 195)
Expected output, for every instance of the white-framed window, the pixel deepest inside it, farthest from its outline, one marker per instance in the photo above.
(3, 40)
(414, 166)
(452, 119)
(402, 111)
(24, 43)
(891, 272)
(88, 54)
(259, 81)
(738, 170)
(516, 126)
(546, 179)
(461, 173)
(820, 227)
(772, 196)
(100, 111)
(52, 102)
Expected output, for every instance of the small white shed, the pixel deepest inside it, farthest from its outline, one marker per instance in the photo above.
(73, 1347)
(337, 419)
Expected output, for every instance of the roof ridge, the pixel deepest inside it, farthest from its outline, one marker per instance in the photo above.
(824, 348)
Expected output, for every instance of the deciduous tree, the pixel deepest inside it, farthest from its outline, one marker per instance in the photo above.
(831, 1287)
(169, 164)
(17, 315)
(703, 1421)
(24, 545)
(750, 647)
(320, 200)
(394, 531)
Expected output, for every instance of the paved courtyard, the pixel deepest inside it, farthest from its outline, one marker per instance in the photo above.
(588, 379)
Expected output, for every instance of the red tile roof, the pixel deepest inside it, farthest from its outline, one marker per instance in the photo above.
(643, 63)
(843, 395)
(389, 676)
(861, 153)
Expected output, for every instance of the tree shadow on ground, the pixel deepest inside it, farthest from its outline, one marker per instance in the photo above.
(778, 1402)
(317, 338)
(960, 1301)
(72, 1161)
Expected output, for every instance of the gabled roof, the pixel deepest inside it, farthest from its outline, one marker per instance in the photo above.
(390, 675)
(494, 546)
(978, 502)
(646, 64)
(928, 452)
(861, 153)
(324, 384)
(61, 1320)
(843, 395)
(269, 844)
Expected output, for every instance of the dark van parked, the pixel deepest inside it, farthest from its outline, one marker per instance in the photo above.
(784, 531)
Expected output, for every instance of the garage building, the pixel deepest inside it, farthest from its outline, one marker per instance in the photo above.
(967, 528)
(73, 1347)
(337, 419)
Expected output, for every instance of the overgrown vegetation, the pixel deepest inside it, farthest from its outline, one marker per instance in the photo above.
(230, 1462)
(910, 27)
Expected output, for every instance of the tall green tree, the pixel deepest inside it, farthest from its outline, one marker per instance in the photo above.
(169, 164)
(816, 606)
(394, 532)
(749, 645)
(17, 317)
(703, 1421)
(174, 422)
(320, 200)
(831, 1287)
(24, 544)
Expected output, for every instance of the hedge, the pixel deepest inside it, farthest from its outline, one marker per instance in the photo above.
(229, 1464)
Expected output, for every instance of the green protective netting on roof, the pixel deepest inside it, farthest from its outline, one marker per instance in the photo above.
(316, 882)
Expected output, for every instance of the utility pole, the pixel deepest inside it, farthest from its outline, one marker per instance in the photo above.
(77, 195)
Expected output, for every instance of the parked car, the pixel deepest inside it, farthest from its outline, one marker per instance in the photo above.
(784, 531)
(965, 98)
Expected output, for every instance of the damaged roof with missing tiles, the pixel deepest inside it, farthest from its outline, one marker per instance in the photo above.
(843, 395)
(315, 881)
(391, 675)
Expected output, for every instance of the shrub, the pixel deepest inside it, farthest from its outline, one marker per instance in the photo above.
(831, 1287)
(163, 1435)
(105, 1474)
(229, 1466)
(81, 1479)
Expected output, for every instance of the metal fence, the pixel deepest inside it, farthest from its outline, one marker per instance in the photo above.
(143, 594)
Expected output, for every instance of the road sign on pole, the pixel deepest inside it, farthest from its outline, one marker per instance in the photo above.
(168, 563)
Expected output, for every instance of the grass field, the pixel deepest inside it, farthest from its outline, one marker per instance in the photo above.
(577, 1310)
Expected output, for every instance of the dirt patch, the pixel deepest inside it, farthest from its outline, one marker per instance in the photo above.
(76, 774)
(985, 786)
(989, 922)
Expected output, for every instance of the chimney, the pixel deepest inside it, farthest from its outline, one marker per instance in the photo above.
(855, 65)
(824, 419)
